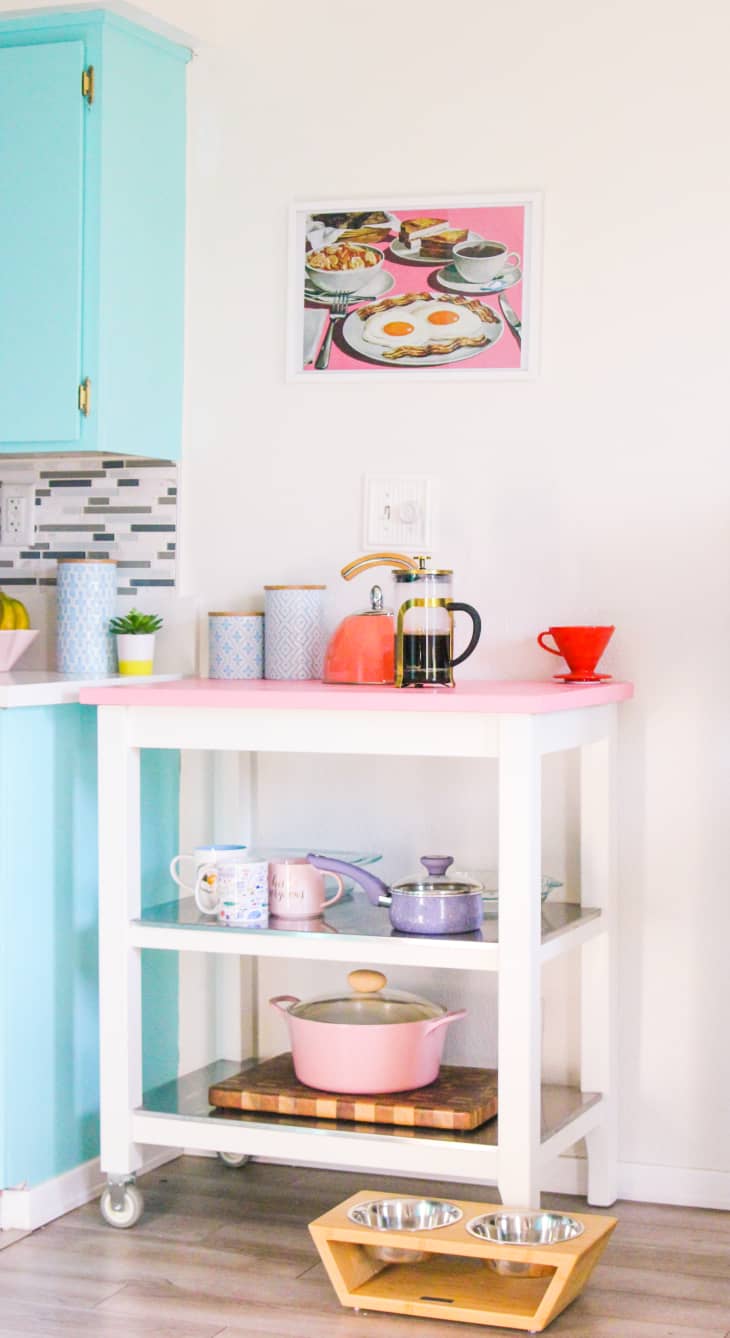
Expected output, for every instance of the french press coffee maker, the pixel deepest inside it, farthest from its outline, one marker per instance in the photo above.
(424, 630)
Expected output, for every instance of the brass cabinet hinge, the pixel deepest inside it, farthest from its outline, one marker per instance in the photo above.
(85, 397)
(87, 84)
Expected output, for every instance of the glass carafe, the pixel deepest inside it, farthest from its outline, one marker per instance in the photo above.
(424, 633)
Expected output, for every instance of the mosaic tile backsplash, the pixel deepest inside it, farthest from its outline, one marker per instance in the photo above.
(93, 506)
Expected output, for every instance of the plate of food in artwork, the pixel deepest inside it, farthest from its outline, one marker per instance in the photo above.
(374, 286)
(450, 278)
(421, 330)
(368, 226)
(429, 240)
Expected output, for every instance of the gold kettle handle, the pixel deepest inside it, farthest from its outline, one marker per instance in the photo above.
(397, 560)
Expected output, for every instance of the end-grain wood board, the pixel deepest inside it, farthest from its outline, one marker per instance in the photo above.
(461, 1098)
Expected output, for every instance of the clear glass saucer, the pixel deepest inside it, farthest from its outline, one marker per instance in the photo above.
(488, 879)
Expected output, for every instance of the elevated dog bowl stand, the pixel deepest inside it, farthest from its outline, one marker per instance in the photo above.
(454, 1282)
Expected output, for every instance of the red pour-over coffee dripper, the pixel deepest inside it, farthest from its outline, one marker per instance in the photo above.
(581, 648)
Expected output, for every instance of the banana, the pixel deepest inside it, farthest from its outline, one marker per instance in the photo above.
(7, 615)
(22, 617)
(13, 614)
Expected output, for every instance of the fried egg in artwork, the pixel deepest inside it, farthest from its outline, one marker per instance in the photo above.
(420, 322)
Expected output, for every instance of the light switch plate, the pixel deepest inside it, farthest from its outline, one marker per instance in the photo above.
(398, 512)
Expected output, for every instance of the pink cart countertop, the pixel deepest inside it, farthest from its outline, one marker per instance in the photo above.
(480, 697)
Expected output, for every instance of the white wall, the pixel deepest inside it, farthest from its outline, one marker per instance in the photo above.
(597, 493)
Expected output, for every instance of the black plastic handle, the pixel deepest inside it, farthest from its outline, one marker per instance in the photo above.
(476, 630)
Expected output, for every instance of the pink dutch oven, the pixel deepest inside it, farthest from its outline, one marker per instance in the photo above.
(372, 1040)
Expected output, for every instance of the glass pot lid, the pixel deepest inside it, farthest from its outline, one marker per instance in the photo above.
(368, 1003)
(435, 883)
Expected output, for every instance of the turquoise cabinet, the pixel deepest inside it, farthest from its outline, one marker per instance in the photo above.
(49, 1029)
(92, 232)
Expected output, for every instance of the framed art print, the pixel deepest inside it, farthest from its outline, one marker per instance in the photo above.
(432, 287)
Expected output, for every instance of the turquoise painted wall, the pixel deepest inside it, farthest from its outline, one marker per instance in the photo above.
(49, 1039)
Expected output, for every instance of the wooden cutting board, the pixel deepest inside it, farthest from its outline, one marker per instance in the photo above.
(461, 1098)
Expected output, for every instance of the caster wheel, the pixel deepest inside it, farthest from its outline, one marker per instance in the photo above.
(130, 1211)
(233, 1158)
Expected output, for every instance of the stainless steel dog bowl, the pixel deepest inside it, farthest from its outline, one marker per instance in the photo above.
(540, 1228)
(403, 1215)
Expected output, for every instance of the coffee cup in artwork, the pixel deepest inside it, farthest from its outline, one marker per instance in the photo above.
(294, 893)
(236, 890)
(201, 855)
(481, 261)
(580, 647)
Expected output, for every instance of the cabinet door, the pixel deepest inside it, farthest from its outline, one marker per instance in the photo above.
(41, 181)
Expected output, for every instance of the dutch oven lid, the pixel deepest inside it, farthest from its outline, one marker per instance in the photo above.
(435, 883)
(368, 1003)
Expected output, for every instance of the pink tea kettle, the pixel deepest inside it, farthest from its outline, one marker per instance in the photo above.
(362, 647)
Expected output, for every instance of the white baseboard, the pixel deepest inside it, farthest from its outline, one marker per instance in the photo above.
(28, 1209)
(683, 1186)
(641, 1184)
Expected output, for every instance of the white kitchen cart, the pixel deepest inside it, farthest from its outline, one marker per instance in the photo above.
(517, 723)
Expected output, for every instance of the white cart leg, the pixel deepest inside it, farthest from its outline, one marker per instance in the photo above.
(598, 966)
(120, 991)
(234, 792)
(519, 962)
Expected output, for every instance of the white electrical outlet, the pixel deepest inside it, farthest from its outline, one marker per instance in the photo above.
(17, 520)
(397, 512)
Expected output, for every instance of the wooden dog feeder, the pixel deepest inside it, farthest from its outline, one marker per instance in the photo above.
(454, 1282)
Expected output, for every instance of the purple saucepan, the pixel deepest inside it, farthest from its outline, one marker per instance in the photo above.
(432, 904)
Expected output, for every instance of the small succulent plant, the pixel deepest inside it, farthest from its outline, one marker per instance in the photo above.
(135, 624)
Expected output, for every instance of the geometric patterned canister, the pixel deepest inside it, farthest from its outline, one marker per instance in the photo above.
(235, 645)
(86, 593)
(294, 645)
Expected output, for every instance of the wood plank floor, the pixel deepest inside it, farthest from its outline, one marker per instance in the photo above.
(223, 1253)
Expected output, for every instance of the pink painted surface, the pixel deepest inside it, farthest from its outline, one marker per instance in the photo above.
(495, 224)
(479, 697)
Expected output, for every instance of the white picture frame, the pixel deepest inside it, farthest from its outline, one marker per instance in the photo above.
(350, 365)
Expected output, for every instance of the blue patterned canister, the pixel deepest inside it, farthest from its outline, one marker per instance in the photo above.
(293, 639)
(235, 645)
(86, 598)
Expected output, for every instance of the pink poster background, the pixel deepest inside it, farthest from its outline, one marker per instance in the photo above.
(497, 223)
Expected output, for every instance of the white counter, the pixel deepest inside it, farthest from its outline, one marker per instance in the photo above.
(42, 687)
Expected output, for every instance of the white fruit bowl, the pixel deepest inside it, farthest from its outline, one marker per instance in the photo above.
(12, 646)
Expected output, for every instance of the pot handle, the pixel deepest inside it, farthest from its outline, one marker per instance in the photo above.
(280, 999)
(444, 1021)
(375, 889)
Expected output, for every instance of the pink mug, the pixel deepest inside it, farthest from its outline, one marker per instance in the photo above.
(297, 890)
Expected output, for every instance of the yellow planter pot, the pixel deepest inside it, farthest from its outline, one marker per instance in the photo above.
(136, 654)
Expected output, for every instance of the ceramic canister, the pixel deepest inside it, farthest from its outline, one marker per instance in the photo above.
(293, 632)
(235, 645)
(86, 597)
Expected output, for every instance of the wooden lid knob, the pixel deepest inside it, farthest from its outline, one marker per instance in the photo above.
(366, 982)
